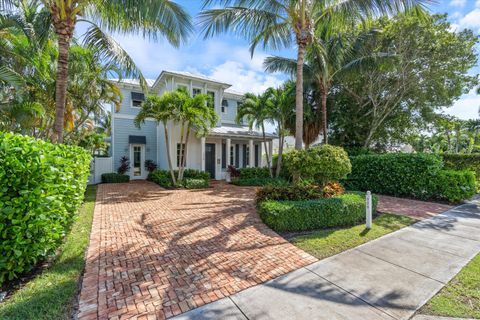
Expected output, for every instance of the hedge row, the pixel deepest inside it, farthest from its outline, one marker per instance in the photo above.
(345, 210)
(463, 162)
(193, 179)
(419, 176)
(115, 178)
(260, 182)
(254, 173)
(42, 187)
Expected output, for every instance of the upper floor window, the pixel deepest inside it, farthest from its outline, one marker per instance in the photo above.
(137, 99)
(224, 106)
(196, 91)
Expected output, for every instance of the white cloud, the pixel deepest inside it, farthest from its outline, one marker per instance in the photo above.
(456, 14)
(467, 107)
(471, 20)
(457, 3)
(477, 4)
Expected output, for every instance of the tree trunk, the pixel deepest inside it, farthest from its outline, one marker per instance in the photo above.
(61, 85)
(280, 155)
(184, 158)
(182, 131)
(169, 158)
(324, 93)
(269, 162)
(299, 97)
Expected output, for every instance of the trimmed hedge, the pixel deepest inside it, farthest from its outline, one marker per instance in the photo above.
(163, 178)
(345, 210)
(292, 192)
(114, 178)
(455, 186)
(463, 162)
(254, 173)
(260, 182)
(43, 185)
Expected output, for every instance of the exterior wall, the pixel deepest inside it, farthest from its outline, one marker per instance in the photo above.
(126, 107)
(231, 112)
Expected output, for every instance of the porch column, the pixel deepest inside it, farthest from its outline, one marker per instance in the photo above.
(202, 151)
(251, 154)
(227, 152)
(270, 151)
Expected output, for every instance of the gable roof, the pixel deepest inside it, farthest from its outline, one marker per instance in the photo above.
(189, 75)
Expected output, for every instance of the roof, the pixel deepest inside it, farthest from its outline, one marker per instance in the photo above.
(134, 82)
(239, 131)
(190, 75)
(234, 92)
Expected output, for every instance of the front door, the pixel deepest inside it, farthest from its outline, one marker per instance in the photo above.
(210, 159)
(137, 169)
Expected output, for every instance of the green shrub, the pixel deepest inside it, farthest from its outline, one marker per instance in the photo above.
(293, 192)
(164, 179)
(321, 164)
(114, 178)
(255, 172)
(43, 185)
(161, 177)
(195, 174)
(397, 174)
(455, 186)
(190, 183)
(258, 182)
(344, 210)
(463, 162)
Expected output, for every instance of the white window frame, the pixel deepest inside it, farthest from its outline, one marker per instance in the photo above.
(142, 162)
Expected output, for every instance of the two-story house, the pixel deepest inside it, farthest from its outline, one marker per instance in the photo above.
(227, 143)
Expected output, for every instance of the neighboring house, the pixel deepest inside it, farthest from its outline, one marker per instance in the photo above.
(227, 143)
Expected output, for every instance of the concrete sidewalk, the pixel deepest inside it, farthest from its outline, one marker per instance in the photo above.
(388, 278)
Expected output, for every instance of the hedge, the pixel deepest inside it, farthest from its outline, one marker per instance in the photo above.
(345, 210)
(463, 162)
(254, 172)
(259, 182)
(43, 184)
(163, 178)
(115, 178)
(455, 186)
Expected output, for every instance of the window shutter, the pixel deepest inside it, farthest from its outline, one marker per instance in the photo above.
(224, 156)
(237, 155)
(138, 96)
(256, 155)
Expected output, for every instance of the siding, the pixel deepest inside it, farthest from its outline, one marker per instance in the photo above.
(229, 116)
(126, 107)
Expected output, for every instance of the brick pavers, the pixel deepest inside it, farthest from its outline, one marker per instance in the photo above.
(156, 253)
(412, 208)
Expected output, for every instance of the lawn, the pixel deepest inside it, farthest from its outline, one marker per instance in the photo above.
(325, 243)
(52, 294)
(460, 298)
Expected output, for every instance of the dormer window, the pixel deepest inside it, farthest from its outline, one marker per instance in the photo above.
(224, 105)
(137, 99)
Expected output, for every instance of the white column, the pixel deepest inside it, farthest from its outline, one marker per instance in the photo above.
(251, 154)
(270, 151)
(202, 151)
(227, 153)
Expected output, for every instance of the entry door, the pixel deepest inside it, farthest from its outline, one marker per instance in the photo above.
(137, 155)
(210, 159)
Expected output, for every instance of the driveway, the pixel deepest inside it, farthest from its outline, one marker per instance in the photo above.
(156, 253)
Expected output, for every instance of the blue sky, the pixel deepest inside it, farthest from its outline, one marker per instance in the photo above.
(227, 58)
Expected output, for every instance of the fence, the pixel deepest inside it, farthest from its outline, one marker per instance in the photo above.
(98, 167)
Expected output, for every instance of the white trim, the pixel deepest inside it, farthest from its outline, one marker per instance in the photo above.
(142, 162)
(130, 117)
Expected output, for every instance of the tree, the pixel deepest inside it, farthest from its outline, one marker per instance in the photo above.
(150, 18)
(191, 113)
(256, 110)
(276, 24)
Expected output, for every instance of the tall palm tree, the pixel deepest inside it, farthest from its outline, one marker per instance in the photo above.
(149, 18)
(282, 23)
(255, 109)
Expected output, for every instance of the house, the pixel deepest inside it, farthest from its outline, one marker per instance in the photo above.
(227, 143)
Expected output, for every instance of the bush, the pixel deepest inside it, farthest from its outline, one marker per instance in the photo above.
(259, 182)
(321, 164)
(255, 172)
(163, 178)
(43, 185)
(455, 186)
(150, 165)
(190, 183)
(196, 174)
(463, 162)
(114, 178)
(397, 174)
(289, 192)
(124, 165)
(344, 210)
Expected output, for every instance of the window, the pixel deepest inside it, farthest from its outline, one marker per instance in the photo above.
(179, 157)
(224, 156)
(246, 155)
(232, 156)
(137, 165)
(137, 99)
(212, 96)
(196, 91)
(237, 156)
(224, 105)
(257, 151)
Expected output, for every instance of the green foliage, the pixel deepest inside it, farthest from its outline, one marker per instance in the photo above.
(322, 164)
(191, 183)
(455, 186)
(258, 182)
(294, 192)
(254, 172)
(196, 174)
(161, 177)
(397, 174)
(115, 178)
(344, 210)
(191, 179)
(42, 187)
(463, 162)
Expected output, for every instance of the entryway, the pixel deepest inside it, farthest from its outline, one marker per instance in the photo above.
(210, 159)
(137, 157)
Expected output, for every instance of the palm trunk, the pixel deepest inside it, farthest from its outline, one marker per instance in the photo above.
(61, 85)
(169, 158)
(280, 155)
(269, 162)
(182, 132)
(184, 158)
(299, 98)
(323, 91)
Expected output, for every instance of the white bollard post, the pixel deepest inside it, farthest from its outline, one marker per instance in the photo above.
(368, 205)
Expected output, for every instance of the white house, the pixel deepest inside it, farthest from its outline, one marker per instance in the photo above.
(227, 143)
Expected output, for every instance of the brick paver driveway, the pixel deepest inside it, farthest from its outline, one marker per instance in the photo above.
(156, 253)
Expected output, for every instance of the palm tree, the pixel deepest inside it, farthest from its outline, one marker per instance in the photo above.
(255, 109)
(149, 18)
(282, 23)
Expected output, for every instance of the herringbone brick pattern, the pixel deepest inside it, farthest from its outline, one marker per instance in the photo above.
(156, 253)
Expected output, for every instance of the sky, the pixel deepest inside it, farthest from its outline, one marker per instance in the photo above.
(227, 58)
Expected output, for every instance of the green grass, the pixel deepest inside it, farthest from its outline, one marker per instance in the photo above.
(325, 243)
(460, 298)
(52, 294)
